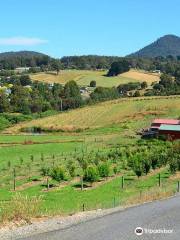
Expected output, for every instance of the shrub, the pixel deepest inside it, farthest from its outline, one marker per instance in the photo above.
(58, 174)
(137, 94)
(91, 174)
(146, 166)
(173, 166)
(154, 161)
(104, 170)
(92, 84)
(144, 85)
(138, 171)
(45, 171)
(4, 123)
(137, 166)
(115, 169)
(82, 162)
(72, 170)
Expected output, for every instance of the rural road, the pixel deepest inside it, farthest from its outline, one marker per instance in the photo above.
(160, 215)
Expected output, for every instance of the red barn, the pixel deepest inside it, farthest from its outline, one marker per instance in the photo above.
(169, 128)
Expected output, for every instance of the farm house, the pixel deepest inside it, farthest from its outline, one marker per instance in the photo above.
(168, 128)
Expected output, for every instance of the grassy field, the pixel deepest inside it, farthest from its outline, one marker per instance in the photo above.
(104, 128)
(122, 112)
(107, 195)
(84, 77)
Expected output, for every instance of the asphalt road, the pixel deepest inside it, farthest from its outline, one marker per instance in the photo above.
(121, 225)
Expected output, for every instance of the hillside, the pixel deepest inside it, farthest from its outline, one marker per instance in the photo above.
(84, 77)
(111, 113)
(164, 46)
(23, 54)
(11, 60)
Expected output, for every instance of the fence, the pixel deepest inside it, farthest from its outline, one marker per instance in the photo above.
(140, 196)
(126, 195)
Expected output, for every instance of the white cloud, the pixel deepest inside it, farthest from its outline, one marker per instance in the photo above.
(21, 41)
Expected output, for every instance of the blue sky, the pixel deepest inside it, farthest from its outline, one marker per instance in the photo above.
(77, 27)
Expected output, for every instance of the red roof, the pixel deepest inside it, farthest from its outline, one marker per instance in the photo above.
(166, 121)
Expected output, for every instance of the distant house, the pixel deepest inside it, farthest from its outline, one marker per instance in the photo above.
(51, 85)
(82, 91)
(21, 69)
(157, 71)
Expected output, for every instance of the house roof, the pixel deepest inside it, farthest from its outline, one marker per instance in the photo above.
(170, 127)
(166, 121)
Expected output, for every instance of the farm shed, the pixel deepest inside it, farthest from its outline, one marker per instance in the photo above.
(159, 122)
(171, 132)
(163, 127)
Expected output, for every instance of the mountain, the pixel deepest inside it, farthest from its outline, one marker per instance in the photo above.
(164, 46)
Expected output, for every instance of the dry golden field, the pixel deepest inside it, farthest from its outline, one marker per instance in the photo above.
(141, 76)
(84, 77)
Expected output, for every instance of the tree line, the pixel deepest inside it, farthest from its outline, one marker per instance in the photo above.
(10, 61)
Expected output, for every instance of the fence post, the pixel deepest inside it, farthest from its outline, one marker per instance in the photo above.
(83, 207)
(47, 183)
(178, 186)
(159, 179)
(114, 202)
(140, 194)
(82, 183)
(14, 179)
(122, 182)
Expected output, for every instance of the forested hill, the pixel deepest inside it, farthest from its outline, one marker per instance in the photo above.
(164, 46)
(11, 60)
(6, 55)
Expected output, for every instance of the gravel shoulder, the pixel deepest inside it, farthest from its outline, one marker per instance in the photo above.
(58, 223)
(52, 224)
